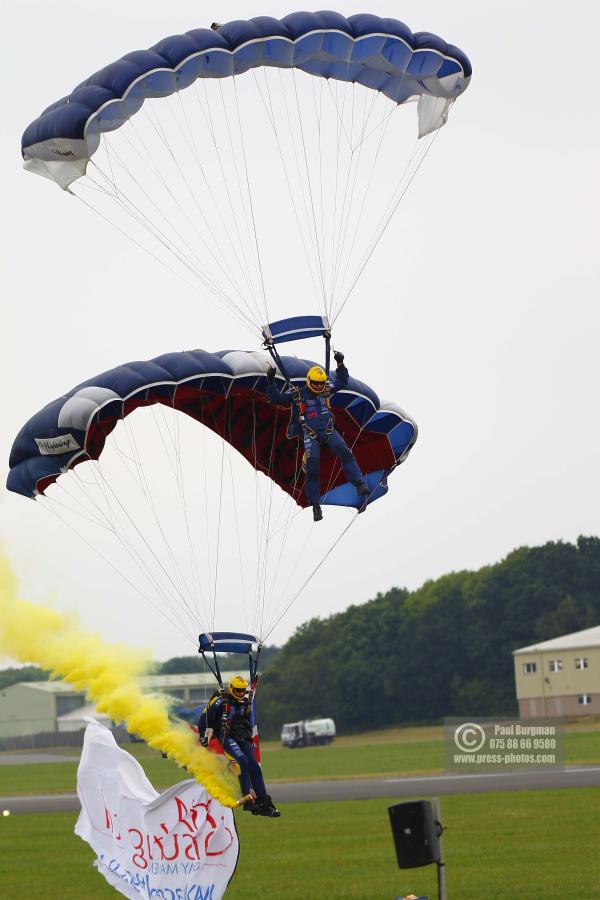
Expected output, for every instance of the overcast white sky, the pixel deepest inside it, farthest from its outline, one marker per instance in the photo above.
(485, 290)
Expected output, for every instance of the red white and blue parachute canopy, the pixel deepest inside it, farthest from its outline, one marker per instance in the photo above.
(225, 392)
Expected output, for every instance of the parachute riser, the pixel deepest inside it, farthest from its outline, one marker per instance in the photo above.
(216, 671)
(297, 333)
(295, 329)
(253, 669)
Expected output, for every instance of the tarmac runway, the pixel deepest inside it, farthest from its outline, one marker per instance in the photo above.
(368, 788)
(35, 757)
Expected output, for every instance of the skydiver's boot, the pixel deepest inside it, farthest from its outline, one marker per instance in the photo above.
(362, 489)
(250, 804)
(317, 513)
(266, 807)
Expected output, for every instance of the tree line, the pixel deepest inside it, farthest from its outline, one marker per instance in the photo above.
(417, 656)
(444, 649)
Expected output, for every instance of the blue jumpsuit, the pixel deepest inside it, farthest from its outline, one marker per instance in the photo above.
(232, 726)
(319, 432)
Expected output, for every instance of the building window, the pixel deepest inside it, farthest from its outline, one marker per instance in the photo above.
(555, 665)
(529, 668)
(581, 662)
(584, 699)
(69, 703)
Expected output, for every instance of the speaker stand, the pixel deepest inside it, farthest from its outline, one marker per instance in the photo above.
(441, 867)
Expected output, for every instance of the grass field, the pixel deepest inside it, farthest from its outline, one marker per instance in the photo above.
(407, 751)
(498, 846)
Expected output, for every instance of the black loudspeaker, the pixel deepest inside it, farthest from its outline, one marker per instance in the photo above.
(415, 834)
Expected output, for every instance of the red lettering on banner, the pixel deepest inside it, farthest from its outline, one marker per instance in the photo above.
(108, 821)
(138, 858)
(154, 847)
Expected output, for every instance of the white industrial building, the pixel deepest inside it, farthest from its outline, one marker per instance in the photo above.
(35, 707)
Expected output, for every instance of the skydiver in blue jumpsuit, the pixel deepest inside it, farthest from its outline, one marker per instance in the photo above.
(319, 431)
(228, 718)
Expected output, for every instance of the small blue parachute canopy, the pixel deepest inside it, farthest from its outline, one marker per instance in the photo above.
(227, 642)
(226, 392)
(380, 53)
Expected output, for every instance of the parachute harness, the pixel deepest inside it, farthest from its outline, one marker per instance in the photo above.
(236, 643)
(296, 326)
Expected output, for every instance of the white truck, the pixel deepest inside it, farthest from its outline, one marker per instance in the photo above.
(308, 733)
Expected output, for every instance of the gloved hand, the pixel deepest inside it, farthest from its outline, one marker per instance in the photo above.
(339, 357)
(204, 741)
(271, 374)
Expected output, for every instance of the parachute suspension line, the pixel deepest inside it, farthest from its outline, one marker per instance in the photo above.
(249, 189)
(141, 536)
(247, 324)
(140, 477)
(207, 530)
(263, 515)
(338, 229)
(339, 125)
(243, 264)
(310, 192)
(216, 578)
(290, 516)
(348, 206)
(129, 207)
(292, 503)
(272, 120)
(268, 509)
(257, 506)
(354, 161)
(307, 581)
(340, 116)
(180, 592)
(142, 220)
(261, 529)
(382, 135)
(219, 259)
(110, 165)
(135, 556)
(238, 177)
(311, 231)
(87, 516)
(192, 147)
(177, 472)
(239, 543)
(358, 149)
(384, 121)
(159, 608)
(319, 114)
(283, 592)
(133, 210)
(410, 171)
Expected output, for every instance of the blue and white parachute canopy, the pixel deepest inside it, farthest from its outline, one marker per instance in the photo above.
(225, 392)
(382, 54)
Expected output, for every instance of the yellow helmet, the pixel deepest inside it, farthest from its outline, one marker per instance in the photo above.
(316, 379)
(238, 687)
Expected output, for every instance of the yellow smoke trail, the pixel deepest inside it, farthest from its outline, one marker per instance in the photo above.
(108, 673)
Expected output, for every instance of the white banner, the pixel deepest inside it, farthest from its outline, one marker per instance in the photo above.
(179, 845)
